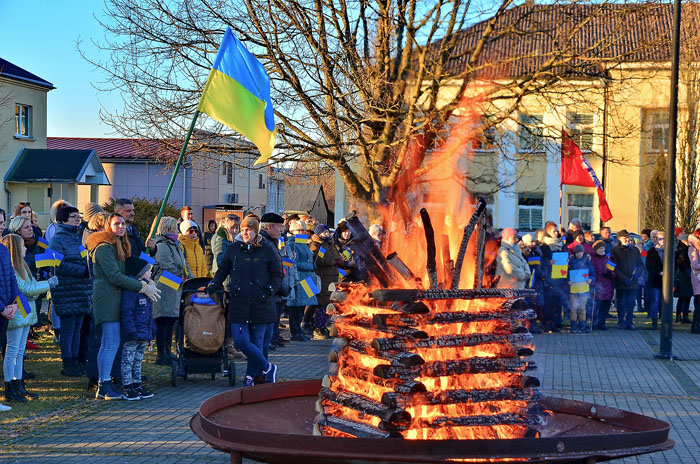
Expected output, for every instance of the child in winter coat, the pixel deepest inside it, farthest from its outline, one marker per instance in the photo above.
(578, 300)
(18, 327)
(137, 329)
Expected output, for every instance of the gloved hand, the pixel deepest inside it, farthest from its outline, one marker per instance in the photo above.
(150, 291)
(53, 281)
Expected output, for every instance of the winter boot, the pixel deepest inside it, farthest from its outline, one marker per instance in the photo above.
(106, 391)
(75, 367)
(22, 389)
(143, 393)
(67, 368)
(574, 327)
(130, 394)
(11, 395)
(585, 327)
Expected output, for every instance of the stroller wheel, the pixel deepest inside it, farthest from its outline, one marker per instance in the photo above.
(173, 369)
(232, 374)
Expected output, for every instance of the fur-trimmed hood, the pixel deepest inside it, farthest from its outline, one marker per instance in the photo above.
(98, 238)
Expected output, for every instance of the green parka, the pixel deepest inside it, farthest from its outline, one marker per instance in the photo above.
(110, 278)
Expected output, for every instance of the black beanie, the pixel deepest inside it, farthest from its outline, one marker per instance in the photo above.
(136, 266)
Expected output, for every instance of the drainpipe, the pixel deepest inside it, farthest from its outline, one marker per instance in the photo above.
(9, 199)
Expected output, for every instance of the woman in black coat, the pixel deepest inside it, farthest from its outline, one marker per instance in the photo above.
(256, 274)
(684, 288)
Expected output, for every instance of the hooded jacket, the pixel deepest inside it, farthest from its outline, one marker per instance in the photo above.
(326, 266)
(110, 278)
(32, 289)
(170, 256)
(194, 255)
(72, 295)
(605, 278)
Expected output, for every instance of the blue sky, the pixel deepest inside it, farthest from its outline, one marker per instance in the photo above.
(40, 36)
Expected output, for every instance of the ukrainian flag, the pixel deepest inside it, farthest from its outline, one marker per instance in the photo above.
(23, 305)
(147, 258)
(309, 287)
(579, 287)
(610, 265)
(346, 255)
(237, 94)
(533, 261)
(44, 260)
(287, 262)
(341, 273)
(57, 257)
(83, 251)
(280, 243)
(560, 271)
(531, 283)
(171, 280)
(322, 252)
(301, 238)
(43, 243)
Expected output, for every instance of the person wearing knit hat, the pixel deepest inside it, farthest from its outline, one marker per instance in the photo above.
(628, 274)
(90, 210)
(137, 329)
(604, 285)
(580, 264)
(252, 222)
(321, 228)
(194, 254)
(598, 244)
(304, 264)
(327, 259)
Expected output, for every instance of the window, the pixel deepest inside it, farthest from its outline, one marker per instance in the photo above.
(261, 185)
(227, 170)
(530, 211)
(656, 128)
(581, 129)
(485, 139)
(580, 205)
(530, 133)
(23, 120)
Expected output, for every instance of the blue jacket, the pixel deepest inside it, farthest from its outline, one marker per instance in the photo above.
(583, 263)
(8, 281)
(32, 289)
(136, 317)
(73, 295)
(304, 264)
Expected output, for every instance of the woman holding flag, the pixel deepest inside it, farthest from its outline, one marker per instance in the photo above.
(26, 315)
(71, 299)
(255, 272)
(304, 265)
(169, 271)
(108, 251)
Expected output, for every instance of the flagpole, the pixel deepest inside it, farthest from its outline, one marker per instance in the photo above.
(172, 179)
(561, 196)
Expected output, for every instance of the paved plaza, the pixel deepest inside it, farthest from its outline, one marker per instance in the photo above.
(613, 368)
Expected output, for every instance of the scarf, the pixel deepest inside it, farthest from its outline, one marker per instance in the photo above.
(29, 242)
(553, 243)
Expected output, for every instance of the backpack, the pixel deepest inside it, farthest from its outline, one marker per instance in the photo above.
(205, 328)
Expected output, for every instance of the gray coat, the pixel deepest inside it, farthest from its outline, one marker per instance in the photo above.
(169, 257)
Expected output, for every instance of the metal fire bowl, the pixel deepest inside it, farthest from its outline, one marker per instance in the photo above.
(272, 423)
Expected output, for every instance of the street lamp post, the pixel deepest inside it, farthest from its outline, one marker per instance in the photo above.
(666, 335)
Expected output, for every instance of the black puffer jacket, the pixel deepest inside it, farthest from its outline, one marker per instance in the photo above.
(256, 275)
(73, 295)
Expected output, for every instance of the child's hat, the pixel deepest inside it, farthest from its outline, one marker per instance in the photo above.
(578, 248)
(136, 266)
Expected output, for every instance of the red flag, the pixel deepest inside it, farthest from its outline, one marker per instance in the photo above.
(576, 170)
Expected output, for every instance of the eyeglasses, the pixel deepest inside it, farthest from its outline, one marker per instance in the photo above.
(192, 230)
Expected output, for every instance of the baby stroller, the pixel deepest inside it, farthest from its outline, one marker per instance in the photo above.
(189, 361)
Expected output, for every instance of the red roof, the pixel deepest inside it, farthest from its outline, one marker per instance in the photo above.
(117, 148)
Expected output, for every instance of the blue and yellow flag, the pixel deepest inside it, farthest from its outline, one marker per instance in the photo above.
(42, 243)
(147, 258)
(237, 94)
(610, 265)
(346, 255)
(322, 252)
(23, 305)
(280, 243)
(83, 251)
(341, 273)
(301, 238)
(534, 261)
(309, 287)
(287, 262)
(44, 260)
(57, 257)
(171, 280)
(531, 283)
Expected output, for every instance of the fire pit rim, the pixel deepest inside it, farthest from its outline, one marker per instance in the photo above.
(232, 439)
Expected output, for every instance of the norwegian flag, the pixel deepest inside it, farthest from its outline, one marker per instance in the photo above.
(576, 170)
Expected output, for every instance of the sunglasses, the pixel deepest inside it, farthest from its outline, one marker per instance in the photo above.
(192, 231)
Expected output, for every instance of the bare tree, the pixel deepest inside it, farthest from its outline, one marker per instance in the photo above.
(368, 87)
(655, 196)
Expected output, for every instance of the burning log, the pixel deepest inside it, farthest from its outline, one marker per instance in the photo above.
(350, 428)
(398, 400)
(444, 368)
(338, 296)
(389, 344)
(448, 264)
(385, 320)
(480, 248)
(431, 266)
(400, 267)
(348, 328)
(364, 405)
(470, 421)
(468, 230)
(364, 246)
(409, 295)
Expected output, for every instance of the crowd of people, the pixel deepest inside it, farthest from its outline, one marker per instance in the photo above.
(108, 300)
(578, 276)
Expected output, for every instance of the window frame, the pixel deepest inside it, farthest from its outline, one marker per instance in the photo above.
(579, 130)
(531, 197)
(578, 211)
(531, 133)
(650, 127)
(25, 116)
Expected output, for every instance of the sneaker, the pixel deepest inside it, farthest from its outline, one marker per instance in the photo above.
(130, 393)
(248, 382)
(143, 393)
(271, 373)
(31, 345)
(106, 391)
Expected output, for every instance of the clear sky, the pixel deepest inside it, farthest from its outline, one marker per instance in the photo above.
(40, 36)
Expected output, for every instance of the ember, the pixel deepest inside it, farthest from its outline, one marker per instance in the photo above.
(441, 362)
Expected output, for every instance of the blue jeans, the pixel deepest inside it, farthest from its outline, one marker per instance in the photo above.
(249, 339)
(14, 353)
(108, 349)
(267, 338)
(625, 307)
(70, 336)
(655, 297)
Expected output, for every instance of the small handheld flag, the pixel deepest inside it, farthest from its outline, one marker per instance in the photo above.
(83, 251)
(610, 265)
(322, 252)
(44, 260)
(346, 255)
(309, 287)
(342, 273)
(280, 243)
(42, 243)
(534, 261)
(23, 305)
(170, 280)
(531, 283)
(287, 262)
(147, 258)
(57, 257)
(301, 238)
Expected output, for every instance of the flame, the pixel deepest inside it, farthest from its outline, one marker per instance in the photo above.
(439, 185)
